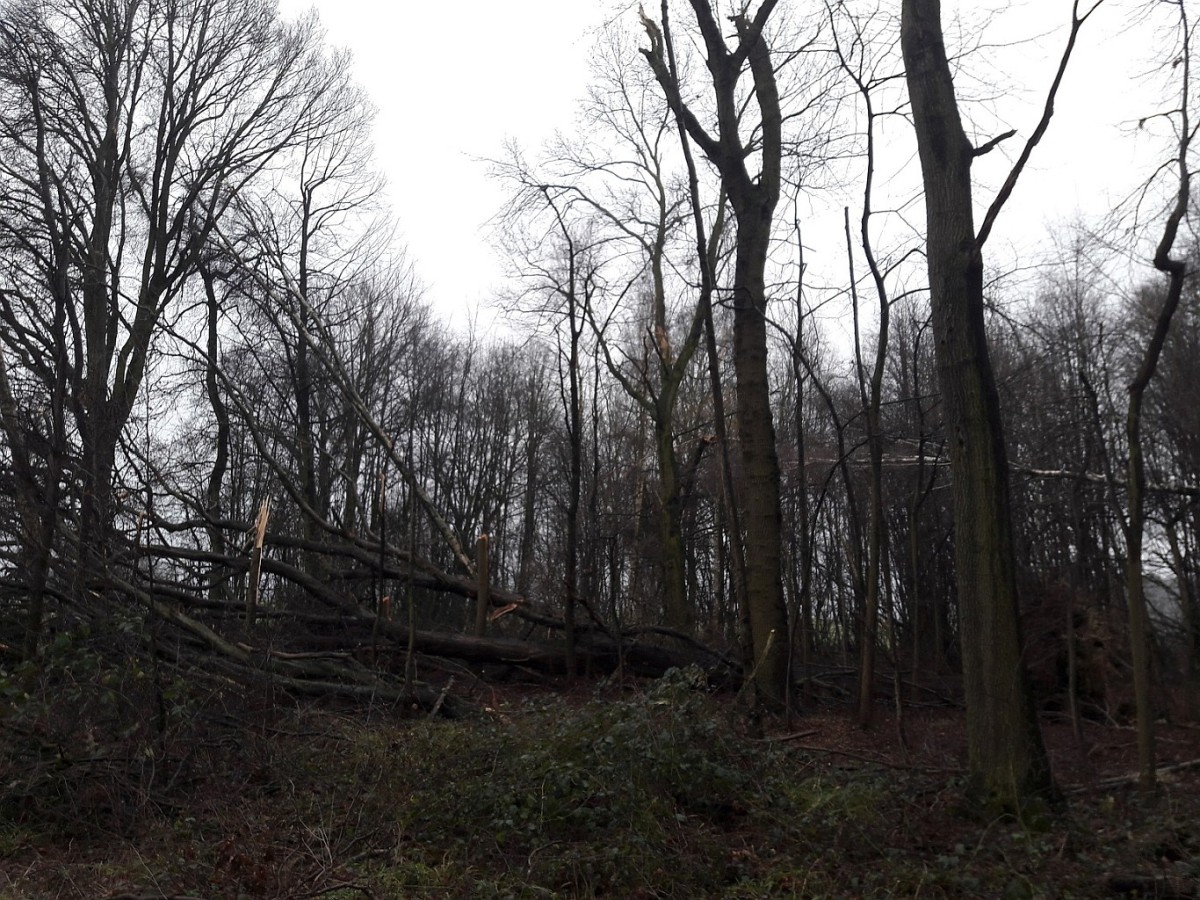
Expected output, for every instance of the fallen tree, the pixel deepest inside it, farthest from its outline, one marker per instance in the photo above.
(324, 639)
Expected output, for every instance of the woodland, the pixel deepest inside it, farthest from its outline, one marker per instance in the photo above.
(725, 567)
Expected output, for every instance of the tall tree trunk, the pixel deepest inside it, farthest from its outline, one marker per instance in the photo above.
(1139, 626)
(575, 480)
(753, 199)
(216, 477)
(1006, 757)
(528, 506)
(802, 628)
(678, 612)
(1177, 270)
(760, 460)
(302, 384)
(871, 397)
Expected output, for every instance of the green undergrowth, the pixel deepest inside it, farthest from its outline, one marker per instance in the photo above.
(655, 794)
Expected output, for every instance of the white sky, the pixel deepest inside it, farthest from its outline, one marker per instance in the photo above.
(452, 82)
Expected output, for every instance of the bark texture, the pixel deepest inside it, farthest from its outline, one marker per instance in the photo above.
(1007, 759)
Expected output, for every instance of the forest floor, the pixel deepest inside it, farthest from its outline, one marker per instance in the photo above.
(653, 790)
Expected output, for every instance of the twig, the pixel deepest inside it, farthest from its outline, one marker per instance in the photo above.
(785, 737)
(442, 697)
(903, 767)
(1119, 780)
(342, 886)
(1154, 886)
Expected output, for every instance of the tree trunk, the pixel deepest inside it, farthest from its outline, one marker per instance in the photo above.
(677, 610)
(1177, 270)
(575, 478)
(529, 501)
(216, 477)
(760, 460)
(802, 628)
(1006, 757)
(753, 199)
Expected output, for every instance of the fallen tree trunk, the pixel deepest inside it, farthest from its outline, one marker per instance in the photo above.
(220, 639)
(298, 675)
(599, 650)
(594, 651)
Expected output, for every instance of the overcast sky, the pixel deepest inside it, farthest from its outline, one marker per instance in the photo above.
(452, 82)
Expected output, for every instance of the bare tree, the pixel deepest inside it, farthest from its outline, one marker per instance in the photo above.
(753, 198)
(319, 230)
(129, 130)
(861, 47)
(559, 287)
(630, 191)
(1176, 268)
(1006, 755)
